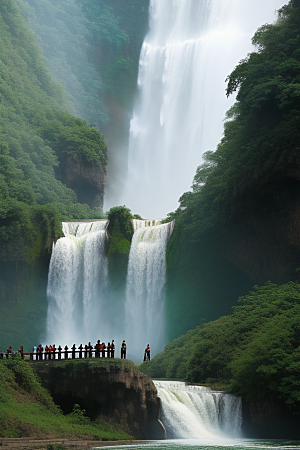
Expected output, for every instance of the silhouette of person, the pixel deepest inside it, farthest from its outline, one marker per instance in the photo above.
(123, 350)
(112, 349)
(147, 351)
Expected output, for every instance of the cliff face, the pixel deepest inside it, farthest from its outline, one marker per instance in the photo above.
(263, 240)
(87, 180)
(269, 419)
(114, 391)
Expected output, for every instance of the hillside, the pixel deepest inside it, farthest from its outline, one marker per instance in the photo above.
(27, 410)
(47, 161)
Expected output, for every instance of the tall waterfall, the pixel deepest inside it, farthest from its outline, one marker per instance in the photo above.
(144, 307)
(77, 282)
(197, 412)
(191, 47)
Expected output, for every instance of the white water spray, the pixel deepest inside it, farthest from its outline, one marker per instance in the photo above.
(144, 307)
(192, 412)
(77, 283)
(190, 49)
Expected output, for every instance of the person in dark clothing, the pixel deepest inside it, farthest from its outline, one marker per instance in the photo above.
(73, 351)
(8, 352)
(147, 351)
(103, 349)
(90, 349)
(112, 349)
(80, 351)
(108, 350)
(21, 351)
(97, 348)
(66, 351)
(59, 352)
(123, 350)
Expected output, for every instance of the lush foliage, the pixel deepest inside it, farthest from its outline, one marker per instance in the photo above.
(120, 227)
(255, 350)
(35, 137)
(27, 409)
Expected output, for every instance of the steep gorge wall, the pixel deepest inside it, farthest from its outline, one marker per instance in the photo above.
(260, 243)
(263, 239)
(114, 391)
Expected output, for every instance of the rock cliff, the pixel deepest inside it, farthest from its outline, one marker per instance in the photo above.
(269, 419)
(87, 180)
(112, 390)
(263, 238)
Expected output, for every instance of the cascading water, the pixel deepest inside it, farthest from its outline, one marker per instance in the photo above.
(77, 283)
(144, 306)
(191, 47)
(192, 412)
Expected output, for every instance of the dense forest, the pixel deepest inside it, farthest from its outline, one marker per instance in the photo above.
(244, 188)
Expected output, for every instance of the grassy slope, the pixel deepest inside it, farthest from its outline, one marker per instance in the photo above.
(27, 409)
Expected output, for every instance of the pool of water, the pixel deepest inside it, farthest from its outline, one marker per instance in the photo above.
(204, 444)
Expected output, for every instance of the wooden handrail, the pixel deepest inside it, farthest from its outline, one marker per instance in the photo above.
(62, 354)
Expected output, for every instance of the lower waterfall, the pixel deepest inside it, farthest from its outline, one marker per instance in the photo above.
(192, 412)
(144, 306)
(77, 283)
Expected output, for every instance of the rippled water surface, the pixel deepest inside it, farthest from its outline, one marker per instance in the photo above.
(199, 444)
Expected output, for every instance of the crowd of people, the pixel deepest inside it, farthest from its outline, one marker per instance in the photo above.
(51, 352)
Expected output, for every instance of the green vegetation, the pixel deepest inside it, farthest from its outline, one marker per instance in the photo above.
(255, 351)
(35, 138)
(27, 409)
(120, 229)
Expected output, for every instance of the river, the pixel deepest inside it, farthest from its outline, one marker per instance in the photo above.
(208, 444)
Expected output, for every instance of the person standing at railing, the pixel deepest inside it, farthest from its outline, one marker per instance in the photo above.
(59, 352)
(80, 351)
(21, 351)
(97, 349)
(66, 351)
(123, 350)
(8, 352)
(103, 349)
(73, 351)
(112, 349)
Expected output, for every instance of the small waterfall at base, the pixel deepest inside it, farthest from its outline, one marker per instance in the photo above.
(144, 306)
(76, 284)
(192, 412)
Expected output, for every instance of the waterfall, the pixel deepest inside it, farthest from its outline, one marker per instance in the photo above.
(144, 306)
(191, 47)
(77, 281)
(192, 412)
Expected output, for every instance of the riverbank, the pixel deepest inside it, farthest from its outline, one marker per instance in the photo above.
(58, 444)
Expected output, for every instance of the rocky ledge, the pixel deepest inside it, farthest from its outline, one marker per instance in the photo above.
(111, 390)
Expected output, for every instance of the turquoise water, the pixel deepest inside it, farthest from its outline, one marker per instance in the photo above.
(196, 444)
